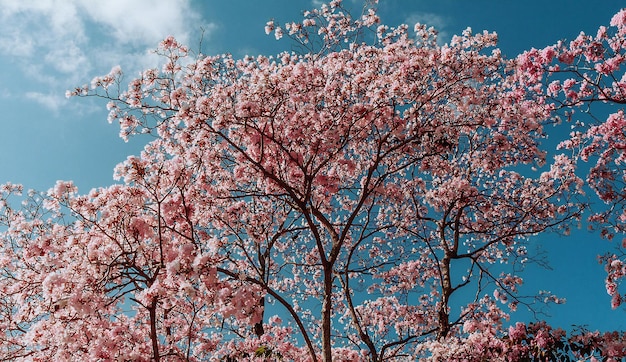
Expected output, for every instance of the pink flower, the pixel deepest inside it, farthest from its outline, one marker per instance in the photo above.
(269, 27)
(566, 57)
(619, 19)
(518, 331)
(616, 301)
(278, 33)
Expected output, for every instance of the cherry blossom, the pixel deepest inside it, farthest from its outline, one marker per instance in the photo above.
(324, 205)
(585, 78)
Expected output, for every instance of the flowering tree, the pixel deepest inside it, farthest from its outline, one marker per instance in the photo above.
(352, 202)
(586, 76)
(532, 342)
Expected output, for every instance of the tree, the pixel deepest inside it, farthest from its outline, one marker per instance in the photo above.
(533, 342)
(586, 76)
(369, 198)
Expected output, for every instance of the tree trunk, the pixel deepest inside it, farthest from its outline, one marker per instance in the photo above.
(326, 315)
(258, 327)
(153, 331)
(446, 291)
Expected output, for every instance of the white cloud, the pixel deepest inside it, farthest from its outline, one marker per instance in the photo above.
(142, 21)
(318, 3)
(63, 43)
(50, 101)
(69, 59)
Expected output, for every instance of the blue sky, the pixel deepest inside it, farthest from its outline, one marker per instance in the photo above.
(49, 46)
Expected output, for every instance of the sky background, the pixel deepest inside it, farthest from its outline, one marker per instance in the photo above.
(50, 46)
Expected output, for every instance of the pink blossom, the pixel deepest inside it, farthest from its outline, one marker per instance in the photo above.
(269, 27)
(360, 179)
(619, 19)
(518, 331)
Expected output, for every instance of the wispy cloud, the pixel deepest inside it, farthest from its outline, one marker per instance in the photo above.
(62, 43)
(142, 21)
(317, 3)
(52, 102)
